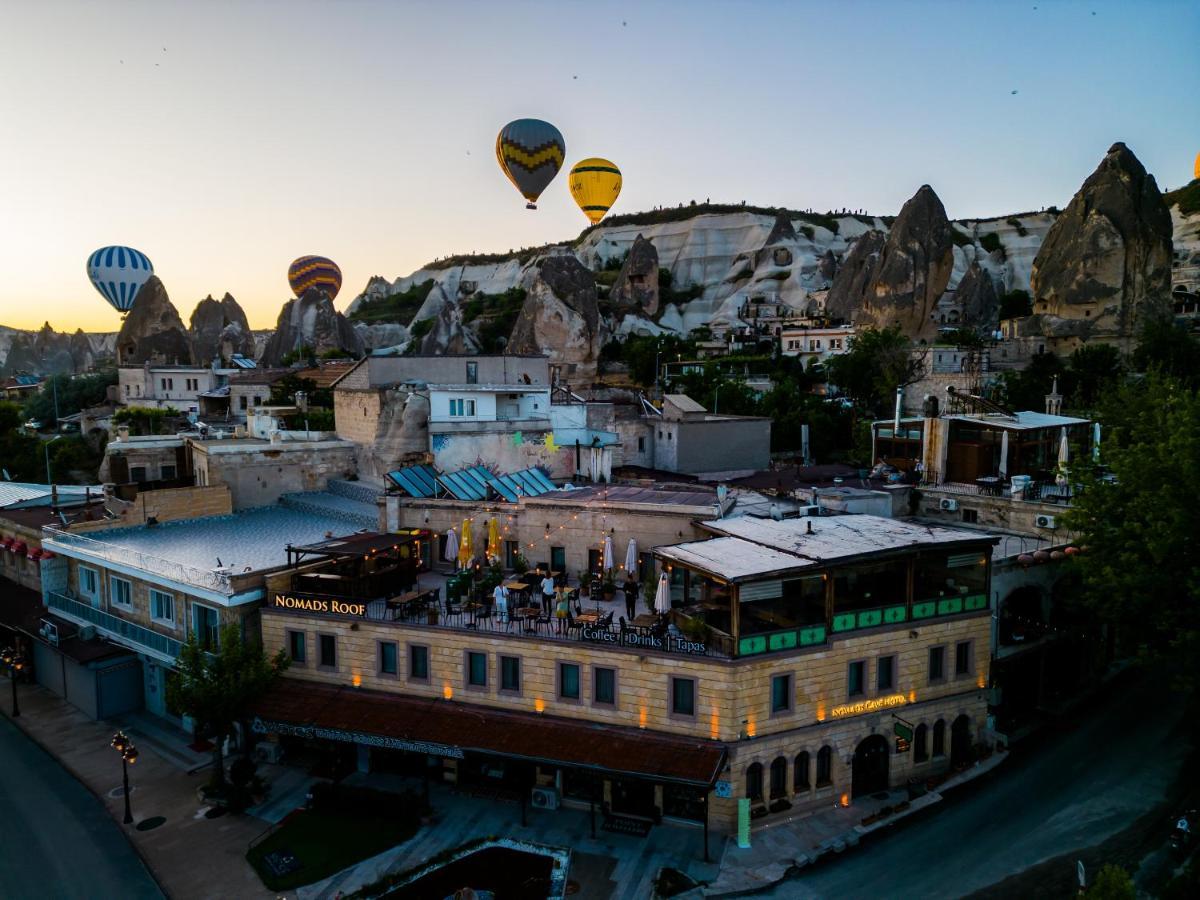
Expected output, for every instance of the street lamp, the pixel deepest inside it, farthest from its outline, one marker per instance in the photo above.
(129, 755)
(15, 663)
(46, 450)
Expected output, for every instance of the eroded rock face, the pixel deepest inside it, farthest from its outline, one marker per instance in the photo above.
(560, 317)
(402, 437)
(153, 331)
(913, 269)
(1106, 261)
(448, 335)
(310, 321)
(636, 287)
(853, 279)
(976, 298)
(220, 329)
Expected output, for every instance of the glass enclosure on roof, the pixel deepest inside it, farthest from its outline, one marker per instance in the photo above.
(768, 606)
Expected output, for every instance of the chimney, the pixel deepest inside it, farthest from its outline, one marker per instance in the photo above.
(1054, 400)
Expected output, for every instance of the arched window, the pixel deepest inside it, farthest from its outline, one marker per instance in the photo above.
(778, 778)
(825, 766)
(921, 743)
(939, 738)
(754, 781)
(800, 775)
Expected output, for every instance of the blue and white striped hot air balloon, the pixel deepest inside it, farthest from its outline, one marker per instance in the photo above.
(118, 273)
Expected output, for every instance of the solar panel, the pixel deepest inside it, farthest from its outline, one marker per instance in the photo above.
(540, 475)
(504, 487)
(417, 481)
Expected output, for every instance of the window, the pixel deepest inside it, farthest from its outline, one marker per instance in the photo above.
(89, 582)
(885, 673)
(970, 516)
(921, 743)
(472, 373)
(510, 674)
(296, 648)
(568, 682)
(856, 679)
(781, 694)
(604, 686)
(166, 473)
(206, 624)
(137, 473)
(120, 591)
(418, 662)
(937, 664)
(825, 766)
(162, 606)
(163, 382)
(779, 769)
(939, 738)
(476, 665)
(328, 651)
(389, 658)
(800, 773)
(558, 559)
(962, 658)
(242, 401)
(462, 407)
(754, 781)
(683, 696)
(511, 549)
(641, 445)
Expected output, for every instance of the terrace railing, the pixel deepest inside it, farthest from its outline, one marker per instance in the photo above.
(212, 579)
(126, 632)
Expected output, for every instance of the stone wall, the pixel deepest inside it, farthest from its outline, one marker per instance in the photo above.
(356, 413)
(1002, 513)
(259, 474)
(165, 505)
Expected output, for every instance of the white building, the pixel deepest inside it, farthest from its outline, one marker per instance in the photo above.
(817, 344)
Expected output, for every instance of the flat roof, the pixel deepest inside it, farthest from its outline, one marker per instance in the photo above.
(255, 538)
(624, 494)
(18, 493)
(1026, 420)
(754, 546)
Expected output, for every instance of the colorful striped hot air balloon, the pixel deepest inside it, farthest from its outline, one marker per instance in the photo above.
(530, 152)
(315, 272)
(595, 184)
(118, 273)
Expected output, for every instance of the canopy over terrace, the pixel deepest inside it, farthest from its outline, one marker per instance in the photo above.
(365, 565)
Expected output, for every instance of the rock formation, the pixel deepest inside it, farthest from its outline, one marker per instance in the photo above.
(827, 267)
(447, 334)
(636, 287)
(220, 329)
(402, 434)
(310, 321)
(153, 331)
(560, 318)
(1106, 261)
(909, 274)
(976, 300)
(853, 279)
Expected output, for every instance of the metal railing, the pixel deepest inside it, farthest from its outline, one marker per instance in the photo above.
(1045, 491)
(211, 579)
(125, 631)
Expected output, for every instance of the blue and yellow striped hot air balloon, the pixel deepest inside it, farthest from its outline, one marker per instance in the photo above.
(595, 184)
(118, 273)
(315, 272)
(530, 152)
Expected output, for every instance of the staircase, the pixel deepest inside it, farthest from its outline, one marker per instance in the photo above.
(360, 491)
(325, 503)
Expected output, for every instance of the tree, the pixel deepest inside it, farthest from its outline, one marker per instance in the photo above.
(1141, 568)
(20, 454)
(1112, 883)
(74, 394)
(1027, 389)
(1167, 348)
(876, 363)
(217, 689)
(141, 419)
(1096, 368)
(1016, 305)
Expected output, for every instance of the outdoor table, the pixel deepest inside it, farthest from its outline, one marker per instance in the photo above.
(590, 619)
(645, 620)
(528, 612)
(989, 484)
(472, 606)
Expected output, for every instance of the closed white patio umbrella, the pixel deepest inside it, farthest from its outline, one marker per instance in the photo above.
(451, 553)
(631, 557)
(1003, 471)
(1064, 450)
(662, 597)
(609, 563)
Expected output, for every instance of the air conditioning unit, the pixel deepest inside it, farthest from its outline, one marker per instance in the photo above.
(1045, 522)
(87, 632)
(49, 631)
(806, 511)
(544, 798)
(949, 504)
(269, 752)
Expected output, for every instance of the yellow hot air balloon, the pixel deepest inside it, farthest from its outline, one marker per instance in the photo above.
(1196, 167)
(595, 184)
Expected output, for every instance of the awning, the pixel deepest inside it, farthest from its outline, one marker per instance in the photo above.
(17, 547)
(451, 729)
(7, 542)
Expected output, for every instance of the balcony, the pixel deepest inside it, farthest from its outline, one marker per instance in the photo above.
(124, 632)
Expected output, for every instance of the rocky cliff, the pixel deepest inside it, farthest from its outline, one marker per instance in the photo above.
(153, 331)
(310, 321)
(220, 330)
(560, 317)
(636, 287)
(1106, 262)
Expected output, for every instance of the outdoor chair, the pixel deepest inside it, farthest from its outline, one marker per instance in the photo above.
(453, 611)
(484, 617)
(544, 620)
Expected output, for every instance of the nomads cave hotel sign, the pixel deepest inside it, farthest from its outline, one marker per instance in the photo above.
(319, 604)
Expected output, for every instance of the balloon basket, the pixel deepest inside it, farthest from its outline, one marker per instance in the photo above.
(531, 206)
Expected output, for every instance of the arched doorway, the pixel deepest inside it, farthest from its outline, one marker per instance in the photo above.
(870, 772)
(960, 741)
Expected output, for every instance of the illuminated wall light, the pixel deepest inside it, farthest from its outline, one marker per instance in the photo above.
(539, 705)
(912, 696)
(845, 800)
(714, 725)
(447, 691)
(821, 712)
(643, 714)
(356, 680)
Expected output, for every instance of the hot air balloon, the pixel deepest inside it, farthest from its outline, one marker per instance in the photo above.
(1196, 167)
(595, 184)
(118, 273)
(530, 152)
(315, 272)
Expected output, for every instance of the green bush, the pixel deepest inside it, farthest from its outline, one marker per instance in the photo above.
(960, 238)
(1186, 197)
(808, 231)
(141, 419)
(1016, 223)
(399, 307)
(1016, 304)
(990, 241)
(418, 330)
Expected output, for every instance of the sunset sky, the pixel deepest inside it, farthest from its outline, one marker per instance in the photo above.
(224, 139)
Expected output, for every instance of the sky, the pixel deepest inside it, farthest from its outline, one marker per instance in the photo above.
(224, 139)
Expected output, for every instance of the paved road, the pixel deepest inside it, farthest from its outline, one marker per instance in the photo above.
(1074, 790)
(57, 840)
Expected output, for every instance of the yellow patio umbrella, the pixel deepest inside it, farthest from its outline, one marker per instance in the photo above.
(464, 545)
(493, 540)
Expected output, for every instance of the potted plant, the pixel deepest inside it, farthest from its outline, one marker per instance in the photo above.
(585, 583)
(609, 586)
(520, 564)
